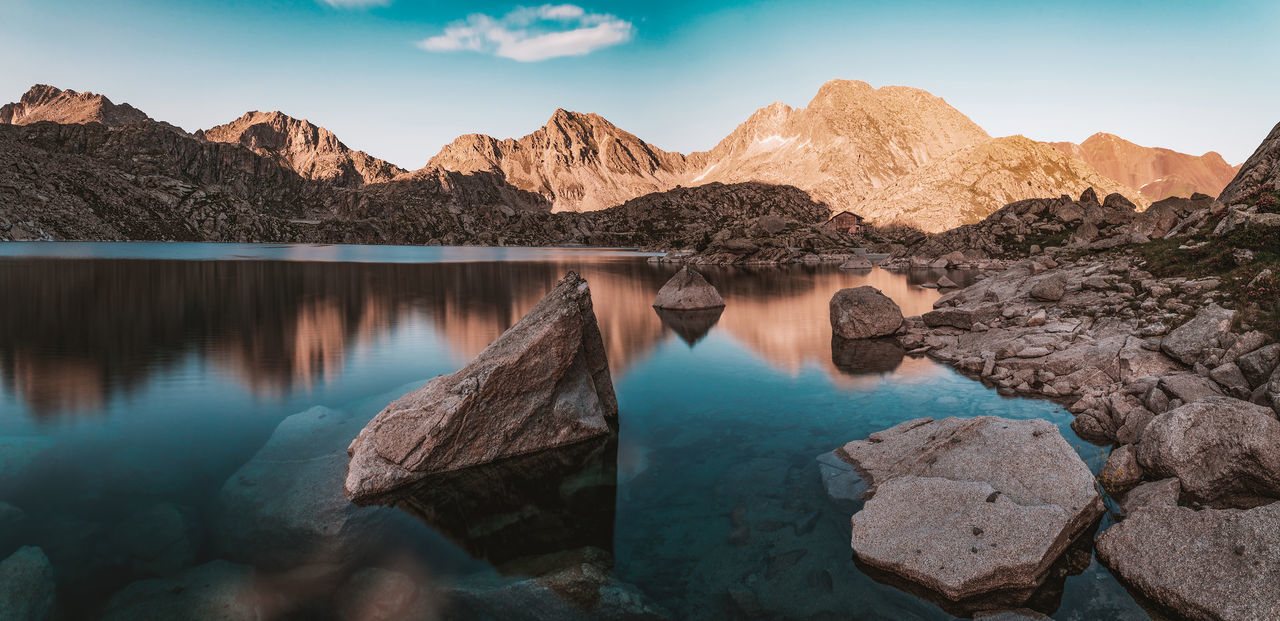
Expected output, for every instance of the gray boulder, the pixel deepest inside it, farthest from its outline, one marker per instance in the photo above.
(27, 588)
(1209, 564)
(543, 384)
(966, 507)
(1225, 452)
(856, 263)
(1121, 470)
(1257, 365)
(688, 290)
(1162, 493)
(864, 313)
(1188, 342)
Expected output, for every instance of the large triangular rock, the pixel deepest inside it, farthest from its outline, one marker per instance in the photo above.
(688, 290)
(543, 384)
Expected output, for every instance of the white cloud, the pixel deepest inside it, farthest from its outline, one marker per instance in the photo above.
(355, 4)
(529, 34)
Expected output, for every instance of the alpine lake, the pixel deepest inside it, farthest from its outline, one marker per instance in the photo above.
(174, 420)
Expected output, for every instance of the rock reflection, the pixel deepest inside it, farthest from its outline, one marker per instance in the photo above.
(690, 325)
(515, 511)
(866, 356)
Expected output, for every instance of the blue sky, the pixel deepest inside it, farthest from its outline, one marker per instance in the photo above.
(400, 78)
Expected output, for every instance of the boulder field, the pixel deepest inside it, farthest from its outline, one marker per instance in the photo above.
(1172, 367)
(543, 384)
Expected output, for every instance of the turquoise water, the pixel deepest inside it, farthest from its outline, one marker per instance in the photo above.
(144, 392)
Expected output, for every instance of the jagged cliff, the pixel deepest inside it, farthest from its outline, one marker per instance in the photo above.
(1259, 173)
(46, 103)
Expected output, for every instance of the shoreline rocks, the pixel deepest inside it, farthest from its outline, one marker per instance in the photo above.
(688, 290)
(543, 384)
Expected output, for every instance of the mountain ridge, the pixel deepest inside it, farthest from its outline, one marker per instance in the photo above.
(1155, 172)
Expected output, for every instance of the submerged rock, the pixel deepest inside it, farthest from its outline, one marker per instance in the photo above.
(543, 384)
(1226, 452)
(688, 290)
(863, 313)
(1208, 564)
(966, 507)
(216, 590)
(26, 585)
(285, 507)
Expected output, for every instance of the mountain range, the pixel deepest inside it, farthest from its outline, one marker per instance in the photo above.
(891, 154)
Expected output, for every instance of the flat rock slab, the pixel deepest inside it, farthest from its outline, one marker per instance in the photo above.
(688, 290)
(1208, 564)
(967, 507)
(543, 384)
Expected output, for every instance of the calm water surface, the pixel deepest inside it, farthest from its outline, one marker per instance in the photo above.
(144, 390)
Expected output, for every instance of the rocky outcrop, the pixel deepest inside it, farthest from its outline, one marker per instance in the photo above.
(543, 384)
(967, 507)
(1226, 452)
(1208, 564)
(26, 586)
(1154, 172)
(970, 183)
(1259, 173)
(688, 290)
(577, 162)
(864, 313)
(312, 152)
(47, 103)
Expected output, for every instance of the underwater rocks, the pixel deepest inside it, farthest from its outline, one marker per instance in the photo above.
(688, 290)
(863, 313)
(1226, 452)
(1207, 564)
(967, 507)
(26, 585)
(284, 508)
(543, 384)
(215, 590)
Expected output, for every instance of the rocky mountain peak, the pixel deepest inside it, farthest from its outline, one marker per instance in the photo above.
(577, 161)
(308, 149)
(43, 102)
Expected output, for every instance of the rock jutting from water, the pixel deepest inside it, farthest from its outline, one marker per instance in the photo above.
(1207, 564)
(543, 384)
(969, 507)
(688, 290)
(864, 313)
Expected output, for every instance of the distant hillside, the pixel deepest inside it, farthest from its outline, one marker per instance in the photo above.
(1156, 173)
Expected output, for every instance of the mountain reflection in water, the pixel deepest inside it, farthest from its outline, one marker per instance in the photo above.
(87, 330)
